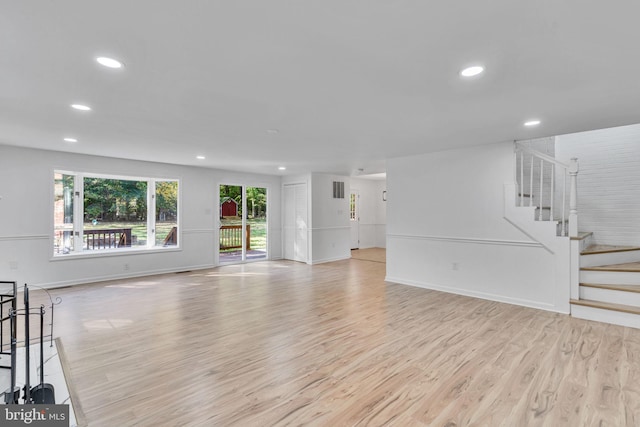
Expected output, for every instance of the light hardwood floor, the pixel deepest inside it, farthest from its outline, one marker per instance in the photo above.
(370, 254)
(283, 343)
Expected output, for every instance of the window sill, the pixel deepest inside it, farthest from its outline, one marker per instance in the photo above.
(113, 252)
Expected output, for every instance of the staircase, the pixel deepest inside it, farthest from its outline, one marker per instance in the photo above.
(609, 289)
(604, 280)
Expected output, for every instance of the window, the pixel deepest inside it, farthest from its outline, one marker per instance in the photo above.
(352, 207)
(95, 213)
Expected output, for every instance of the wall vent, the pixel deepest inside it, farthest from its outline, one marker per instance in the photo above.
(338, 189)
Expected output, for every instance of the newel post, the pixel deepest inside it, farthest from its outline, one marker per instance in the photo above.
(573, 198)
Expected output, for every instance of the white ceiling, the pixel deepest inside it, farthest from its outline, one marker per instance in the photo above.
(347, 84)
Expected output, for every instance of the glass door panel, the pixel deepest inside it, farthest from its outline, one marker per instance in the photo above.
(63, 240)
(232, 244)
(256, 208)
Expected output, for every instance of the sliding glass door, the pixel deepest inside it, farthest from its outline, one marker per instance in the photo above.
(243, 223)
(256, 204)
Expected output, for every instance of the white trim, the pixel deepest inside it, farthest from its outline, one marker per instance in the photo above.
(347, 227)
(114, 252)
(25, 237)
(480, 241)
(520, 147)
(120, 177)
(86, 280)
(325, 260)
(481, 295)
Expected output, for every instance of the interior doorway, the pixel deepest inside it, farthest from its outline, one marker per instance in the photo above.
(243, 224)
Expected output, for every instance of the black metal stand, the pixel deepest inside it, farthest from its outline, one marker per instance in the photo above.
(13, 393)
(42, 392)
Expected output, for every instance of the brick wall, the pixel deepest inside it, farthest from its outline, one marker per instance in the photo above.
(608, 182)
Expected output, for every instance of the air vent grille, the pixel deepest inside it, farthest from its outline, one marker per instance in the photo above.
(338, 189)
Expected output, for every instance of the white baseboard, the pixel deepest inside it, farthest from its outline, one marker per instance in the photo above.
(481, 295)
(129, 275)
(322, 261)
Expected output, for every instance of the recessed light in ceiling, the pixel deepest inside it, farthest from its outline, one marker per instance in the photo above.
(472, 71)
(109, 62)
(200, 157)
(532, 123)
(282, 168)
(81, 107)
(272, 131)
(70, 140)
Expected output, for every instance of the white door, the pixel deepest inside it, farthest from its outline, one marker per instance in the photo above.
(354, 217)
(295, 228)
(289, 222)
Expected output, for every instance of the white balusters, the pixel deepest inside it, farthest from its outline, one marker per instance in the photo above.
(573, 198)
(521, 179)
(564, 204)
(541, 188)
(547, 187)
(531, 184)
(552, 195)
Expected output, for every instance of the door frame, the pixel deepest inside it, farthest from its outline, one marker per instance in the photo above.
(355, 222)
(218, 223)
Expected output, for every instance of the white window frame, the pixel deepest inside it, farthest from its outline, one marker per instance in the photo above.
(78, 216)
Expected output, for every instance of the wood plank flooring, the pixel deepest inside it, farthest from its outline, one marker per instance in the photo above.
(287, 344)
(370, 254)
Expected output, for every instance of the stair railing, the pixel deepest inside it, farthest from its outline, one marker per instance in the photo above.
(534, 166)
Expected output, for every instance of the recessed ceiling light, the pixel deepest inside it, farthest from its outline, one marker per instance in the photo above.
(282, 168)
(71, 140)
(109, 62)
(472, 71)
(200, 157)
(532, 123)
(272, 131)
(81, 107)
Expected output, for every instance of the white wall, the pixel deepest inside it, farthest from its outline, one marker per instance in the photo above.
(373, 216)
(330, 228)
(26, 218)
(381, 216)
(446, 230)
(608, 182)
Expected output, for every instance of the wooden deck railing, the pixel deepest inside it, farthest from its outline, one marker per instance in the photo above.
(172, 237)
(231, 237)
(107, 238)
